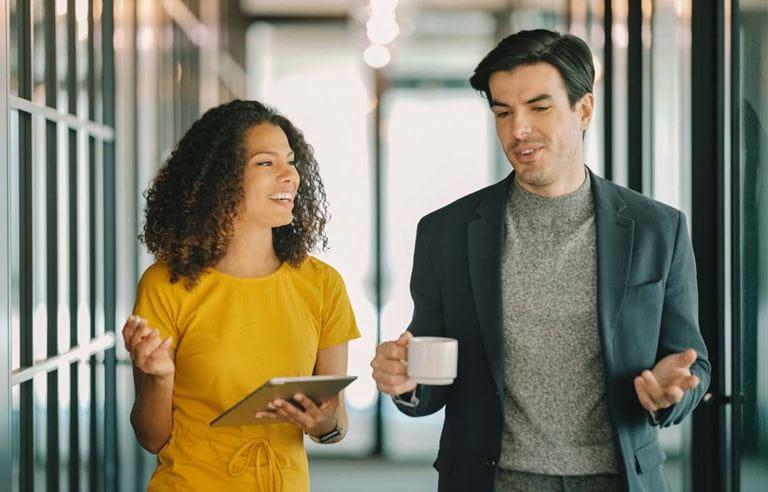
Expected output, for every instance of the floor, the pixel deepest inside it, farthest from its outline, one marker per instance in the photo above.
(371, 475)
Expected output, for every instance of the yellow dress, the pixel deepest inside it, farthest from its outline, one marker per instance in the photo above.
(231, 335)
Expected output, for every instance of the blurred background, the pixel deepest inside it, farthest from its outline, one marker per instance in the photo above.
(95, 93)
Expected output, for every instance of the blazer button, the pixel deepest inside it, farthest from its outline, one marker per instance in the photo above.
(490, 463)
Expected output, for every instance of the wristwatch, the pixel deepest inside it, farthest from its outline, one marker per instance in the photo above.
(328, 436)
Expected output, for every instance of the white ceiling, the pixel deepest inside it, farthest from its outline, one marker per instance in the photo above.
(338, 8)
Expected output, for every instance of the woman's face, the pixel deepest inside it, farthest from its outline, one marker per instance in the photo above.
(270, 179)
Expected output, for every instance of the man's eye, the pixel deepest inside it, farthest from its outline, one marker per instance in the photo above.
(541, 108)
(502, 114)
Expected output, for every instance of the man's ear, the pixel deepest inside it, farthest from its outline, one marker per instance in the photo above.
(586, 107)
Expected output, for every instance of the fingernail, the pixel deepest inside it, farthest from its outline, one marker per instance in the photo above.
(270, 406)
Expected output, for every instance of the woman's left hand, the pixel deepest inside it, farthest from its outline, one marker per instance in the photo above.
(315, 420)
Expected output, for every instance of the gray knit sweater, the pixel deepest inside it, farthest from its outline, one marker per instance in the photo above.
(556, 416)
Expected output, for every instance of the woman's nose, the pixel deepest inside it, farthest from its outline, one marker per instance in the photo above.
(287, 173)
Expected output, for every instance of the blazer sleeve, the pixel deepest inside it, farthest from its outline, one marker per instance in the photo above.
(680, 324)
(427, 320)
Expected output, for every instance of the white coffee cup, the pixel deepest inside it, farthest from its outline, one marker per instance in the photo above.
(433, 360)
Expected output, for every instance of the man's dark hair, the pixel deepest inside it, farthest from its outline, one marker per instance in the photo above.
(567, 53)
(193, 201)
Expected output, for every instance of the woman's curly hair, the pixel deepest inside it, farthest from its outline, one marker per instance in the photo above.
(194, 199)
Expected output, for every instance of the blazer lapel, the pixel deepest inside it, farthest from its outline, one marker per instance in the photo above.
(615, 233)
(485, 237)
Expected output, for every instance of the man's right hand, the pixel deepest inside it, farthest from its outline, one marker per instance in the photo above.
(149, 353)
(390, 367)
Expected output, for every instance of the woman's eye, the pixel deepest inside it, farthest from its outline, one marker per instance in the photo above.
(291, 163)
(264, 163)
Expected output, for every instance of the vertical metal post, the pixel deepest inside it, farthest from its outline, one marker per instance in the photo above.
(378, 448)
(635, 96)
(608, 90)
(74, 244)
(95, 475)
(51, 248)
(26, 407)
(5, 248)
(110, 363)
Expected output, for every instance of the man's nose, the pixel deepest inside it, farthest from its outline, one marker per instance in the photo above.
(521, 127)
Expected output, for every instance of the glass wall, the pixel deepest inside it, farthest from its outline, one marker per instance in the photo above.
(438, 146)
(587, 22)
(60, 204)
(751, 341)
(174, 60)
(668, 175)
(95, 93)
(284, 61)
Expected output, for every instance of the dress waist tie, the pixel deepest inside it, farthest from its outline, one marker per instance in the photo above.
(251, 454)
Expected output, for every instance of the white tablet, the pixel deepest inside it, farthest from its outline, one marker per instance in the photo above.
(318, 388)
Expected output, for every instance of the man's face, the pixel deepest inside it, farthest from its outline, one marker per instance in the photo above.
(540, 133)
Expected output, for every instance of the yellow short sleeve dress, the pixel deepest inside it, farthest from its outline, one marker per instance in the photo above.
(231, 335)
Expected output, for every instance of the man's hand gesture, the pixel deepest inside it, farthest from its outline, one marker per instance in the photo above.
(666, 384)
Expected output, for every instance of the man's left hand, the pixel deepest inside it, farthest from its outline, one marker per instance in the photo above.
(667, 383)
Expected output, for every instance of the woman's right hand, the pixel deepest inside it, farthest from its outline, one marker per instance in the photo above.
(149, 353)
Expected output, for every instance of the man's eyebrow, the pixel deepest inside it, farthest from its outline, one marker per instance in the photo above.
(539, 98)
(533, 100)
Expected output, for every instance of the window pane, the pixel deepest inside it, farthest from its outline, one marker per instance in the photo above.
(81, 56)
(334, 117)
(421, 174)
(38, 52)
(39, 266)
(753, 350)
(670, 176)
(620, 35)
(98, 61)
(61, 56)
(84, 412)
(40, 459)
(13, 200)
(13, 46)
(587, 23)
(97, 163)
(83, 240)
(15, 437)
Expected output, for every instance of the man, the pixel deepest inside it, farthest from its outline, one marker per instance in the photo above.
(574, 301)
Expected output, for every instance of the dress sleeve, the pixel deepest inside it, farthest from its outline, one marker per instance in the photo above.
(156, 302)
(338, 319)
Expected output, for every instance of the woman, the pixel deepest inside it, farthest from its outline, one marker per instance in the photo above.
(233, 300)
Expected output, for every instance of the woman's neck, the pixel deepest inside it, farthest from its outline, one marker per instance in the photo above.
(250, 253)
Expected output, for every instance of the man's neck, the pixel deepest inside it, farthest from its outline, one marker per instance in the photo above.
(567, 184)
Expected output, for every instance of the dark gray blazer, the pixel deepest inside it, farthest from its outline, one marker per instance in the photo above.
(647, 309)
